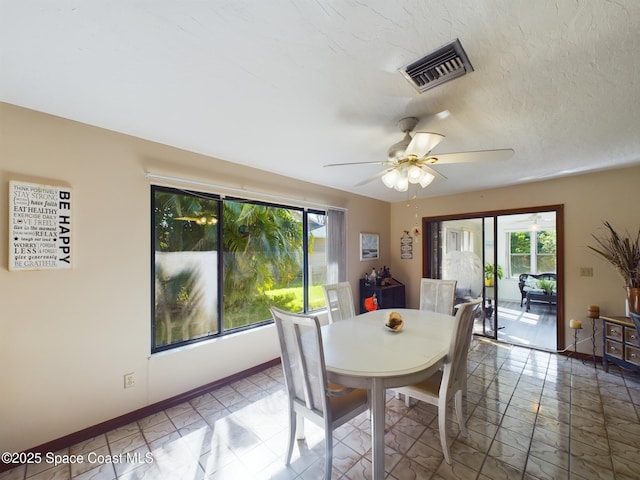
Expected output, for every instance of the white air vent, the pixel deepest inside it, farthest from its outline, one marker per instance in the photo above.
(446, 63)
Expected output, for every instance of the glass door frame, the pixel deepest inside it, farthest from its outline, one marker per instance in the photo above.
(431, 270)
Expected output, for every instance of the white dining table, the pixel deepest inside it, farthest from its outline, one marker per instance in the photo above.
(361, 352)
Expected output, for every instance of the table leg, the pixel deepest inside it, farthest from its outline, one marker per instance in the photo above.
(377, 428)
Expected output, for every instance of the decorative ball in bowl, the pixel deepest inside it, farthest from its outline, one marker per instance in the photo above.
(394, 322)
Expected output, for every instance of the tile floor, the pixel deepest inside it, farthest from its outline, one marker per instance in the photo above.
(531, 415)
(536, 328)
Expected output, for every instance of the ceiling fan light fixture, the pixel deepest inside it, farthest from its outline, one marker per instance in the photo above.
(389, 178)
(414, 173)
(426, 179)
(402, 183)
(400, 177)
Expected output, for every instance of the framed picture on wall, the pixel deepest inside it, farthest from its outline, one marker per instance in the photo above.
(369, 246)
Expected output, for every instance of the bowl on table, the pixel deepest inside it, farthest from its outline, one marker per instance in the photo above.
(394, 322)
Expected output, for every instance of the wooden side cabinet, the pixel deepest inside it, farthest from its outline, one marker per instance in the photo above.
(621, 344)
(389, 296)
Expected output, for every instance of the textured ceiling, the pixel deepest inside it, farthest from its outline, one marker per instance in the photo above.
(289, 86)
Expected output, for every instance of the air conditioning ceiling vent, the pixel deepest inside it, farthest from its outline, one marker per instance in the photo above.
(446, 63)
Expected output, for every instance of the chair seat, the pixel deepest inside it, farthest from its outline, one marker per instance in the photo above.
(343, 404)
(429, 387)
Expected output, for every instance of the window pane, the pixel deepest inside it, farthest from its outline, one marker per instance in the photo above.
(546, 242)
(520, 242)
(317, 238)
(520, 264)
(546, 263)
(185, 267)
(546, 249)
(263, 262)
(520, 248)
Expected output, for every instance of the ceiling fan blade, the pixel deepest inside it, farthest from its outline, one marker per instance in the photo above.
(434, 172)
(379, 162)
(422, 143)
(470, 157)
(371, 178)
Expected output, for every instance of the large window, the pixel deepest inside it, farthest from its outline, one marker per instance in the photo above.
(532, 251)
(220, 263)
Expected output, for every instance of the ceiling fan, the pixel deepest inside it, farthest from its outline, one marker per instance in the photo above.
(409, 160)
(534, 221)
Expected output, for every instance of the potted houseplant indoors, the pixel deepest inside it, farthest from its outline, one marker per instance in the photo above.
(623, 253)
(490, 273)
(547, 286)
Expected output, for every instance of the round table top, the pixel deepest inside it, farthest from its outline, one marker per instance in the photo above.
(363, 346)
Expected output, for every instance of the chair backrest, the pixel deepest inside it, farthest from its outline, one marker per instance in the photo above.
(302, 359)
(437, 295)
(454, 370)
(339, 301)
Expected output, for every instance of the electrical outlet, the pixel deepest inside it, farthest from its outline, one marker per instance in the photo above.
(586, 272)
(129, 380)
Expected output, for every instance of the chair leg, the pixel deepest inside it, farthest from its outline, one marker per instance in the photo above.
(328, 453)
(292, 434)
(464, 384)
(442, 427)
(460, 414)
(300, 431)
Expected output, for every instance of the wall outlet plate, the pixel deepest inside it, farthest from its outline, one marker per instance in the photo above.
(586, 272)
(129, 380)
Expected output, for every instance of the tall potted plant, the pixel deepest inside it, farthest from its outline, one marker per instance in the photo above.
(490, 273)
(623, 253)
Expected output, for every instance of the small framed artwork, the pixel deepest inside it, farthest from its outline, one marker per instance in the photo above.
(369, 246)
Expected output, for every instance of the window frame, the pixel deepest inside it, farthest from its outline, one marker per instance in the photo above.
(221, 199)
(533, 253)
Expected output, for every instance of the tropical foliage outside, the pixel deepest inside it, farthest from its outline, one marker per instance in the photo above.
(263, 251)
(544, 254)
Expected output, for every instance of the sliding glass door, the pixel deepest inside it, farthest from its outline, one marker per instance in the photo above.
(511, 259)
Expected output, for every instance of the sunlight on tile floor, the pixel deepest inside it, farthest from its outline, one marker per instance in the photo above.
(530, 415)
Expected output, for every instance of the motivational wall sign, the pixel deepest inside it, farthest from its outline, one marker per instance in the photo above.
(40, 227)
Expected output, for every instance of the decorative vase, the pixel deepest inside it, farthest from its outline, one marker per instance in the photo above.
(633, 299)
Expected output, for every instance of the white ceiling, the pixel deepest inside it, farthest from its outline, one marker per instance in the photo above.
(289, 86)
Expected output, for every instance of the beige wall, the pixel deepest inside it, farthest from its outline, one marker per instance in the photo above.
(612, 195)
(68, 337)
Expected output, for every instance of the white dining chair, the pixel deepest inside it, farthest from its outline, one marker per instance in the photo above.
(437, 295)
(448, 383)
(339, 299)
(310, 396)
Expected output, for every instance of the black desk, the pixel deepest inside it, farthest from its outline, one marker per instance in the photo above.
(389, 296)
